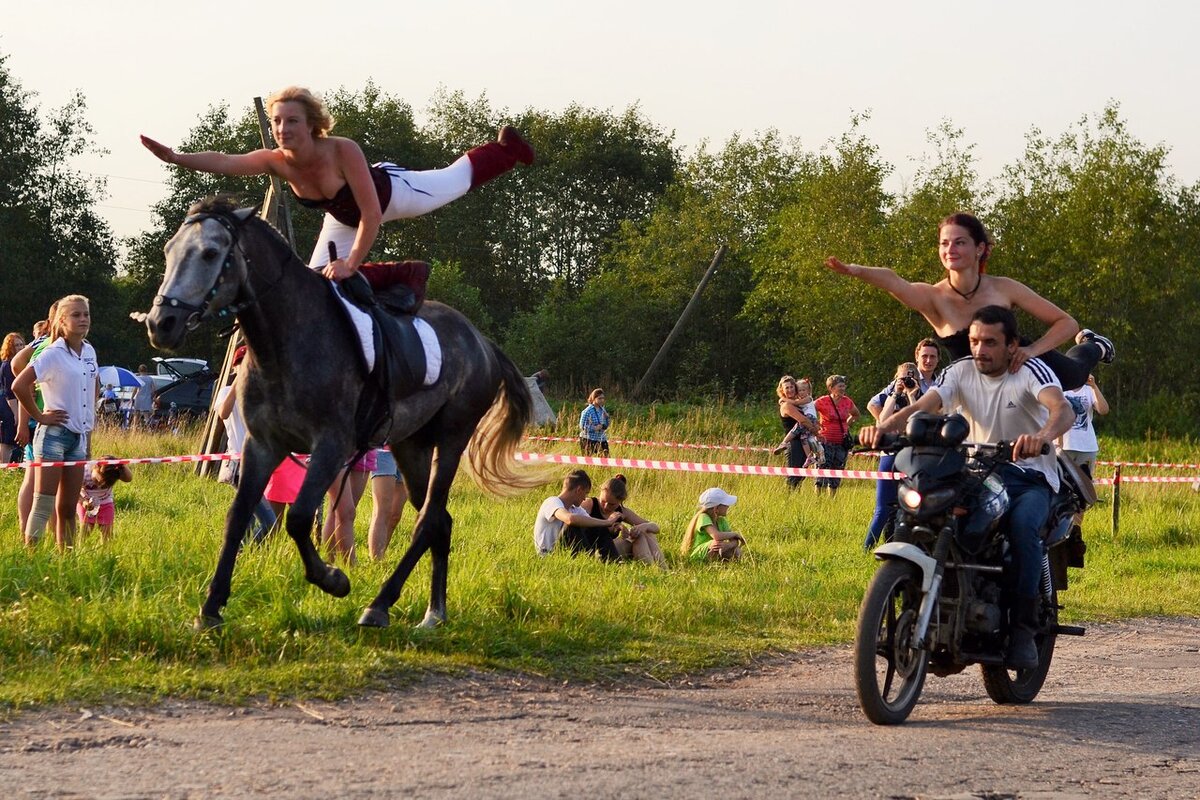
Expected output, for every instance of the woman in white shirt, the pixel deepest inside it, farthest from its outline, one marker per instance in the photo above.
(66, 372)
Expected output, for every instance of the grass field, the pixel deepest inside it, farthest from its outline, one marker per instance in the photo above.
(113, 621)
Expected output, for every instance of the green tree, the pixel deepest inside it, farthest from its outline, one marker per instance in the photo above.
(1093, 221)
(54, 242)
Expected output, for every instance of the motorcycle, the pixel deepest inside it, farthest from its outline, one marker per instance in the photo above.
(942, 596)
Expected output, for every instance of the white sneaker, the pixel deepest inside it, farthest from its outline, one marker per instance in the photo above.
(1107, 350)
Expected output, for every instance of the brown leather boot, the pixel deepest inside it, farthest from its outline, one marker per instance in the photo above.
(496, 158)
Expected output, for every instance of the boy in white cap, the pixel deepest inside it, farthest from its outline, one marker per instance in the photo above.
(709, 536)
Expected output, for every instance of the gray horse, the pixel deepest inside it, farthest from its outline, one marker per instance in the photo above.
(305, 382)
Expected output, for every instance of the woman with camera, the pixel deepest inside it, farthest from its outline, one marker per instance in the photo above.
(900, 393)
(835, 411)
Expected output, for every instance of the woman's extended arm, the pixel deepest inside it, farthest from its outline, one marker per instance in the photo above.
(917, 296)
(257, 162)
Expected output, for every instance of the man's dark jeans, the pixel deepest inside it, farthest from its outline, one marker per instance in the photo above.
(1029, 507)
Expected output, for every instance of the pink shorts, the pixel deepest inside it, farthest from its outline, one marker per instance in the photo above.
(367, 463)
(285, 482)
(105, 514)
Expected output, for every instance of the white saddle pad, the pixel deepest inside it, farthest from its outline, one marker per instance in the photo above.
(364, 326)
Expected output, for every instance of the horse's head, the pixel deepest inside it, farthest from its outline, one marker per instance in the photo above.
(205, 276)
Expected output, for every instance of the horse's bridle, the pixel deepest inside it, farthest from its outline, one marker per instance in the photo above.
(202, 313)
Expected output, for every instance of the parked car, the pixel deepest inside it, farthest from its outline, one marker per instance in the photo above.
(182, 387)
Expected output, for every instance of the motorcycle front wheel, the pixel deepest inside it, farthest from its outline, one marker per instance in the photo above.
(1020, 686)
(889, 671)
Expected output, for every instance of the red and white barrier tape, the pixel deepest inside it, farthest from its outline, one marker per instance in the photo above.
(155, 460)
(597, 461)
(1153, 464)
(635, 443)
(691, 466)
(1142, 479)
(872, 454)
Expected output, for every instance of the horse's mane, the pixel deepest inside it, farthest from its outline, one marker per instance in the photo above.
(225, 205)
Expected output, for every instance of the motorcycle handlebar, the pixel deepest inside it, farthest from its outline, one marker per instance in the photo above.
(892, 442)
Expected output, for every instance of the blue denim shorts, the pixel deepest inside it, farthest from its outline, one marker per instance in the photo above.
(385, 466)
(56, 443)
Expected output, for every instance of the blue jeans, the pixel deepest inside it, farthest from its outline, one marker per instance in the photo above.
(1028, 510)
(795, 458)
(835, 458)
(885, 502)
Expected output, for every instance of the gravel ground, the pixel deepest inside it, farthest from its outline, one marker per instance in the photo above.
(1119, 717)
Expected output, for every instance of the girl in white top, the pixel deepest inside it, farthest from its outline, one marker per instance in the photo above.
(66, 372)
(1080, 444)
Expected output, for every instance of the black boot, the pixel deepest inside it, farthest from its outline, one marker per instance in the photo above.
(1022, 649)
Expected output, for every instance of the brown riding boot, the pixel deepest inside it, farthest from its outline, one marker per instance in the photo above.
(412, 275)
(496, 158)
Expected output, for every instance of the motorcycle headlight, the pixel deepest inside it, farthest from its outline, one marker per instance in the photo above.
(909, 497)
(912, 499)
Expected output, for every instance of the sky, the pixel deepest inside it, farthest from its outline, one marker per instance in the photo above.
(704, 71)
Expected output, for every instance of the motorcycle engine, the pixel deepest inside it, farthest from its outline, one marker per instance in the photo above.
(983, 617)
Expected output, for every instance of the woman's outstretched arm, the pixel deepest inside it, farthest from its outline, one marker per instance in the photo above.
(257, 162)
(917, 296)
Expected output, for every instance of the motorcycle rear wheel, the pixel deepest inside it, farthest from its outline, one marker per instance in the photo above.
(1021, 686)
(889, 672)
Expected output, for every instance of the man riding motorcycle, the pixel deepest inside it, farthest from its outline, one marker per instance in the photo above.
(1026, 407)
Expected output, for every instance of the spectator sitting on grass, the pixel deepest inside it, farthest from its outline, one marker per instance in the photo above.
(709, 536)
(564, 509)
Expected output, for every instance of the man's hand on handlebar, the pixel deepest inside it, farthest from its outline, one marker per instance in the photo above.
(1030, 445)
(869, 436)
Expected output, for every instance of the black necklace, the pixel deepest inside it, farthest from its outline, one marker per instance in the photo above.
(970, 294)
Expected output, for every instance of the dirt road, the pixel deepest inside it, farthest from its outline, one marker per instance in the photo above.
(1119, 717)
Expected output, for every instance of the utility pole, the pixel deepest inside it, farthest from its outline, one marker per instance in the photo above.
(679, 324)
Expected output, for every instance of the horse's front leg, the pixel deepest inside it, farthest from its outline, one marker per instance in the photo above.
(256, 467)
(327, 458)
(432, 532)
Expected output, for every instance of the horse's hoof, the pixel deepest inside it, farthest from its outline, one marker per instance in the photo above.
(431, 620)
(374, 618)
(334, 582)
(206, 622)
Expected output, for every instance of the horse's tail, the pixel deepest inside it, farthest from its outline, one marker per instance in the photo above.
(490, 451)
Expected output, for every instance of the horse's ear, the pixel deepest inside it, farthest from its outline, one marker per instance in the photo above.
(244, 214)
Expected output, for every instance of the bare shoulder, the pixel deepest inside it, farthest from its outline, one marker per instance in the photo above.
(342, 146)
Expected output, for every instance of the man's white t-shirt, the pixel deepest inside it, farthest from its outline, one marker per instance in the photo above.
(547, 527)
(1002, 407)
(1082, 436)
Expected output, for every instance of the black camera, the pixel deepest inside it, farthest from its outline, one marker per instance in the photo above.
(909, 383)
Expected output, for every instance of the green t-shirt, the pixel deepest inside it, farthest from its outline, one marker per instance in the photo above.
(703, 540)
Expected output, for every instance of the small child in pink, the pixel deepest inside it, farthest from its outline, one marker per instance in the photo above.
(96, 496)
